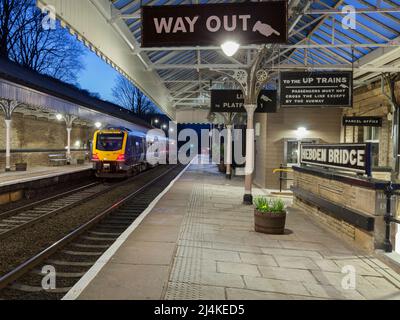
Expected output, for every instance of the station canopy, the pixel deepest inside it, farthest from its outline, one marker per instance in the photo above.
(181, 77)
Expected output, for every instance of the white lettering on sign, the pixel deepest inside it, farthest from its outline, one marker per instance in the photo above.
(244, 19)
(180, 25)
(233, 105)
(213, 24)
(335, 156)
(314, 155)
(323, 80)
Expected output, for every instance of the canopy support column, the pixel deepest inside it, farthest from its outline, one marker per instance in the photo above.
(229, 151)
(69, 121)
(8, 107)
(249, 168)
(8, 144)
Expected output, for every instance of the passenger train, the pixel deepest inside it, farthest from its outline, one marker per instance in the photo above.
(120, 152)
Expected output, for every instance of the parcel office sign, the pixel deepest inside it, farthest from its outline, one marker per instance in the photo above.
(348, 157)
(316, 89)
(214, 24)
(233, 101)
(362, 121)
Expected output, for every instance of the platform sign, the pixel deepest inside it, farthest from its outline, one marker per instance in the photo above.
(214, 24)
(348, 157)
(233, 101)
(316, 89)
(362, 121)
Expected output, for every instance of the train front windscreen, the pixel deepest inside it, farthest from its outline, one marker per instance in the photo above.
(110, 142)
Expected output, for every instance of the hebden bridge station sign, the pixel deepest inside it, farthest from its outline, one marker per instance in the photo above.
(214, 24)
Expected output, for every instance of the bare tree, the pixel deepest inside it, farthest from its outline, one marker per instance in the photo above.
(24, 40)
(132, 98)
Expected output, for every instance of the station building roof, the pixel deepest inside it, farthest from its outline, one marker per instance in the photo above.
(44, 96)
(317, 41)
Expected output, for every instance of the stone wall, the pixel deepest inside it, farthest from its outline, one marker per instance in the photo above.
(29, 132)
(370, 101)
(359, 199)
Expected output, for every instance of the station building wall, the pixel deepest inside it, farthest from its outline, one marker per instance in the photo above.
(370, 101)
(324, 124)
(35, 138)
(275, 129)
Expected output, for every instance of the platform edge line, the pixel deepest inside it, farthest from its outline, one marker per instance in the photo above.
(81, 285)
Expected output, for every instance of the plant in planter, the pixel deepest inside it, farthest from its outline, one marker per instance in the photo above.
(269, 215)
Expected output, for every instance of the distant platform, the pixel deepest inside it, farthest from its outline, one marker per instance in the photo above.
(198, 243)
(35, 173)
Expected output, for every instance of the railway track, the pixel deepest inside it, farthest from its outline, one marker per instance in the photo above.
(72, 256)
(17, 219)
(23, 217)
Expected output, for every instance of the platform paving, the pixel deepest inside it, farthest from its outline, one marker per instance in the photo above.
(35, 173)
(199, 242)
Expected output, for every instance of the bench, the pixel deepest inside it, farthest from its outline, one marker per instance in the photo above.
(57, 159)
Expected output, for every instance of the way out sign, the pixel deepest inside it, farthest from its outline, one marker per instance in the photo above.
(232, 101)
(214, 24)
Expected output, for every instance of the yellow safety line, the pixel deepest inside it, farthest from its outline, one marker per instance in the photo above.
(283, 170)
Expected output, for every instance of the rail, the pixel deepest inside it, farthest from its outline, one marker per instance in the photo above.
(283, 170)
(31, 263)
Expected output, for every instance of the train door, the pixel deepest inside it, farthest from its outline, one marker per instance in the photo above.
(136, 149)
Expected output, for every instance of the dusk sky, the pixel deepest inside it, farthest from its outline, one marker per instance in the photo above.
(98, 76)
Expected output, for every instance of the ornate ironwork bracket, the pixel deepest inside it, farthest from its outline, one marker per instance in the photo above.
(8, 107)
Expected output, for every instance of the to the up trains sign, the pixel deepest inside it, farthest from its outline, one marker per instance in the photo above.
(214, 24)
(316, 89)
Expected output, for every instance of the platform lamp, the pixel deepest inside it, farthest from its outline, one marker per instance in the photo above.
(98, 125)
(230, 48)
(155, 122)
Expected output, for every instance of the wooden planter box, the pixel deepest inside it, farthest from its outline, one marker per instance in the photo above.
(269, 223)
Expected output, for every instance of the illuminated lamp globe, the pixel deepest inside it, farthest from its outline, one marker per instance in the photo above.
(301, 133)
(230, 48)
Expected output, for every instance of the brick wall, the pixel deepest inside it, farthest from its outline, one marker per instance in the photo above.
(369, 101)
(29, 132)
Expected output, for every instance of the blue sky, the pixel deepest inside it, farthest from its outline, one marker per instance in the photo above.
(98, 76)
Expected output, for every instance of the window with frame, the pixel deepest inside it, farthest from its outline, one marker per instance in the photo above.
(372, 135)
(292, 150)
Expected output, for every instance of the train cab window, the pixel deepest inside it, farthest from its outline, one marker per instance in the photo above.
(110, 142)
